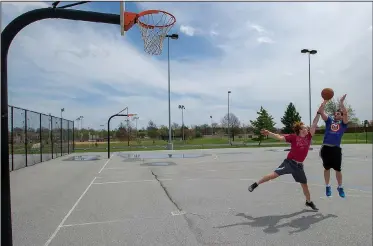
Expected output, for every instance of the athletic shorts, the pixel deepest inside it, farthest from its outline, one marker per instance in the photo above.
(331, 157)
(293, 168)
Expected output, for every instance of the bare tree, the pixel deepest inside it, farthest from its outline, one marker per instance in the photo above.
(234, 124)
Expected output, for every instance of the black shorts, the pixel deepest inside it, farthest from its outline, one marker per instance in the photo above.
(331, 157)
(293, 168)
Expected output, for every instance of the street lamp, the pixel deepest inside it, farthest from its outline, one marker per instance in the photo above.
(182, 118)
(212, 129)
(62, 110)
(229, 136)
(309, 52)
(172, 36)
(366, 124)
(136, 118)
(102, 131)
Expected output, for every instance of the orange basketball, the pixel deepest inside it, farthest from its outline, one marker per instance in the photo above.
(327, 93)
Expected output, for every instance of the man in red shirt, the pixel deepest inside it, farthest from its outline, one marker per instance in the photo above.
(293, 164)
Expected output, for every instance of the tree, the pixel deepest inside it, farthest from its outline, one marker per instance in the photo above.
(290, 117)
(264, 121)
(163, 131)
(234, 124)
(122, 133)
(152, 129)
(333, 105)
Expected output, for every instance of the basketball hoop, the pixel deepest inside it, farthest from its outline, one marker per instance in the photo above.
(154, 26)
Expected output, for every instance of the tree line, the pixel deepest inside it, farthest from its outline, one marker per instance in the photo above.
(263, 120)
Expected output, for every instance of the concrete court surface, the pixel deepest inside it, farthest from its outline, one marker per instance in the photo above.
(193, 201)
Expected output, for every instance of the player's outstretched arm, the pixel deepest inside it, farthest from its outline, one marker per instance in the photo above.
(321, 110)
(343, 108)
(314, 124)
(272, 135)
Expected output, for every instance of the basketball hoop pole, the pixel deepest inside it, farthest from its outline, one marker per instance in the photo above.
(108, 132)
(7, 36)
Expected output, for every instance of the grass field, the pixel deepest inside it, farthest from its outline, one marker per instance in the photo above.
(208, 143)
(199, 143)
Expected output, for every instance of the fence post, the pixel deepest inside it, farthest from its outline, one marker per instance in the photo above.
(61, 136)
(12, 136)
(40, 138)
(51, 128)
(26, 135)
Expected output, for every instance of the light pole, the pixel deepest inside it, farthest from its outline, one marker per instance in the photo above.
(136, 118)
(182, 118)
(309, 52)
(366, 124)
(81, 122)
(212, 129)
(229, 136)
(172, 36)
(102, 131)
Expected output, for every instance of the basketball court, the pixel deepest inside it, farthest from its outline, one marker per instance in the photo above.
(195, 197)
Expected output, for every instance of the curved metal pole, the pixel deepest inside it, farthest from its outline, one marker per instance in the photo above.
(108, 132)
(7, 36)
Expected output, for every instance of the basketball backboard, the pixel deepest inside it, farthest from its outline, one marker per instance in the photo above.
(122, 7)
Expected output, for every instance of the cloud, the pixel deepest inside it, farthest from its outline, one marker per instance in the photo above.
(258, 28)
(187, 30)
(265, 40)
(90, 70)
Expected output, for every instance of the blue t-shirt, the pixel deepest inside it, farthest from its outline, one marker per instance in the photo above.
(334, 130)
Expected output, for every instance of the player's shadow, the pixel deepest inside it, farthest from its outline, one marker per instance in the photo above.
(271, 222)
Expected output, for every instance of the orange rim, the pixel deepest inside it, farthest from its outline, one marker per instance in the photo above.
(148, 12)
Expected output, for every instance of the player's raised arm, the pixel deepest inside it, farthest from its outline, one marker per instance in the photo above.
(314, 124)
(343, 109)
(321, 110)
(272, 135)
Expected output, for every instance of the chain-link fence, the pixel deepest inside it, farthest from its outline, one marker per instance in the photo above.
(36, 137)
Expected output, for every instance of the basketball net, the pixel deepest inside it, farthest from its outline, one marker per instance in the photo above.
(154, 28)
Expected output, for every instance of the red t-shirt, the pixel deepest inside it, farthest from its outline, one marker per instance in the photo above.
(299, 146)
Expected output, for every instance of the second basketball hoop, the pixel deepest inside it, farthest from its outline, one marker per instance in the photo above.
(154, 26)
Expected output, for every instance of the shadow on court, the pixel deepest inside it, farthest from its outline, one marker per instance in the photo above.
(271, 225)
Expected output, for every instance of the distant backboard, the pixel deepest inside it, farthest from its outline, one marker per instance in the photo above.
(122, 7)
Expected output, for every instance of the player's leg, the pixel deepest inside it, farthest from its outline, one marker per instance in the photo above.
(307, 194)
(281, 170)
(300, 177)
(337, 166)
(326, 157)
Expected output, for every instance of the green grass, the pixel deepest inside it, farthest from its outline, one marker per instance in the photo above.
(199, 143)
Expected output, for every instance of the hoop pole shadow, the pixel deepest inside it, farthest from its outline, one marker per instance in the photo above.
(108, 132)
(7, 36)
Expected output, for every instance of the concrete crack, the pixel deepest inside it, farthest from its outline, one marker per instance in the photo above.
(166, 191)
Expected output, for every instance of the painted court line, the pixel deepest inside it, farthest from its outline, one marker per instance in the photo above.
(105, 164)
(123, 168)
(110, 221)
(129, 181)
(69, 213)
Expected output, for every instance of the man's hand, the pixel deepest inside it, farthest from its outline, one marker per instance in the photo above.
(264, 132)
(343, 98)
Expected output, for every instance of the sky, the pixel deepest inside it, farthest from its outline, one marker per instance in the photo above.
(251, 49)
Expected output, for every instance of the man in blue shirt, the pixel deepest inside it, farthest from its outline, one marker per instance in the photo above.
(331, 152)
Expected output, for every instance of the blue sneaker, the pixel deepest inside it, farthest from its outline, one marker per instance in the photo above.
(328, 191)
(341, 192)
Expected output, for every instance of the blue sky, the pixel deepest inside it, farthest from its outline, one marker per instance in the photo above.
(252, 49)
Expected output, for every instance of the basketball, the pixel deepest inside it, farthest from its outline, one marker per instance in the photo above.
(327, 93)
